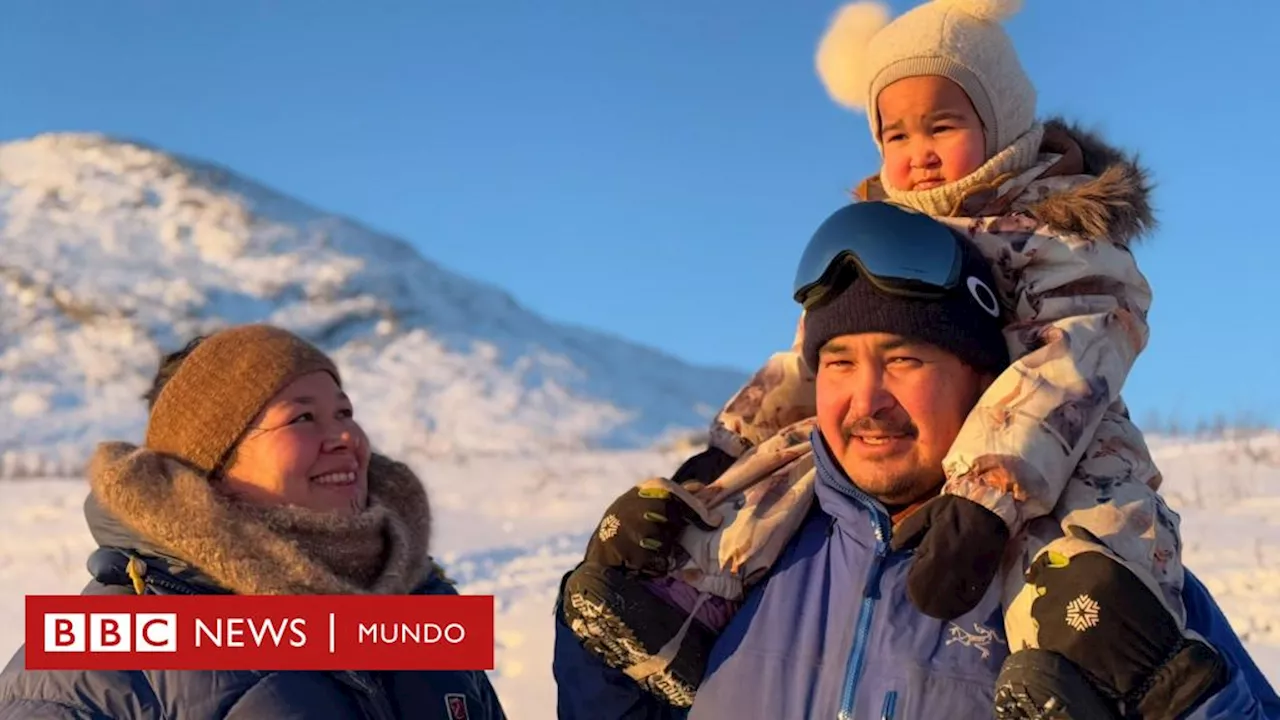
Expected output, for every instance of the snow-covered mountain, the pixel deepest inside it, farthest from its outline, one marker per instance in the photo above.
(112, 252)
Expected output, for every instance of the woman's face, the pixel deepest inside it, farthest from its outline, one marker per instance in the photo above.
(305, 448)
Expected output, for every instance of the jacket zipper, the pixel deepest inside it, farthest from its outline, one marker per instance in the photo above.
(890, 705)
(177, 587)
(870, 593)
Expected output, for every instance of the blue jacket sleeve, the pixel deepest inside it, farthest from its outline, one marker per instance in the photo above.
(587, 689)
(1248, 695)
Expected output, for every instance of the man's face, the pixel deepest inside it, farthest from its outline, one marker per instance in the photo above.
(890, 408)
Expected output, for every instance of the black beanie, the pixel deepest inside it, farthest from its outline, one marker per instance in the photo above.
(965, 322)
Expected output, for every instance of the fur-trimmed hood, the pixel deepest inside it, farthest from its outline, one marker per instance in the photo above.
(144, 501)
(1092, 189)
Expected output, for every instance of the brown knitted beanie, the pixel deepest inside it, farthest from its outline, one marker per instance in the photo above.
(218, 390)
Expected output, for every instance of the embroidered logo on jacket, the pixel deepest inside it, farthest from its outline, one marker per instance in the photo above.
(456, 704)
(981, 638)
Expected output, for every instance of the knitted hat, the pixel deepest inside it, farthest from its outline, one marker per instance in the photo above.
(218, 390)
(961, 40)
(966, 322)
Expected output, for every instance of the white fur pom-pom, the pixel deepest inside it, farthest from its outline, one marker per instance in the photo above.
(841, 59)
(989, 10)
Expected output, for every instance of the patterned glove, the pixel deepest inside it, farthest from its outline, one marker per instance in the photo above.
(1096, 613)
(640, 530)
(959, 545)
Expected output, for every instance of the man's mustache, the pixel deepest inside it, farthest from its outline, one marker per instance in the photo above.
(880, 426)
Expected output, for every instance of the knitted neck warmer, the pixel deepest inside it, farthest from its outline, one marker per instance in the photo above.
(948, 200)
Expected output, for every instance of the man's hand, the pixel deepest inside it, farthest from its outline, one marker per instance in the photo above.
(959, 545)
(640, 529)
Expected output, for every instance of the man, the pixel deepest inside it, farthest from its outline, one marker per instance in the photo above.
(902, 349)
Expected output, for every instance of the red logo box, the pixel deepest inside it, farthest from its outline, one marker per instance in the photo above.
(277, 632)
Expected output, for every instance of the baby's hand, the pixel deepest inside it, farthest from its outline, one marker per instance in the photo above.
(640, 530)
(958, 547)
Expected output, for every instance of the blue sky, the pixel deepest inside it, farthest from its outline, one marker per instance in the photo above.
(655, 168)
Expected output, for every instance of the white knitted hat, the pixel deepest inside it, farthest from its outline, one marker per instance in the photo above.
(961, 40)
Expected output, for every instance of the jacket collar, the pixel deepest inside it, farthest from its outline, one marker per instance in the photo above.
(853, 511)
(157, 573)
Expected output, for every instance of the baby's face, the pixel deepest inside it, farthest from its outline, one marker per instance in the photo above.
(930, 132)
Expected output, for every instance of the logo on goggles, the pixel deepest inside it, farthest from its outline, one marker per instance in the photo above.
(985, 297)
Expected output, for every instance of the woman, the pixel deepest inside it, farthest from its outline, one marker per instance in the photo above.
(255, 479)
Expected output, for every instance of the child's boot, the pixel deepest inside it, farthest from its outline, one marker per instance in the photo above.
(1041, 685)
(640, 627)
(624, 608)
(1102, 634)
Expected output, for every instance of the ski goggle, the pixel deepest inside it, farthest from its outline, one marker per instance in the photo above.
(898, 250)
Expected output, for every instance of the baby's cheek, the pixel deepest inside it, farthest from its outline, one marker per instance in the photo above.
(897, 168)
(966, 156)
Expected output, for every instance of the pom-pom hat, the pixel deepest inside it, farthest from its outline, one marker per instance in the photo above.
(862, 52)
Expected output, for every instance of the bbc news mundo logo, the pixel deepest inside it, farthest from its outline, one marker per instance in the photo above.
(234, 632)
(110, 632)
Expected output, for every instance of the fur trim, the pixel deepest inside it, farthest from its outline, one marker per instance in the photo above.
(841, 59)
(1112, 200)
(989, 10)
(254, 550)
(1114, 204)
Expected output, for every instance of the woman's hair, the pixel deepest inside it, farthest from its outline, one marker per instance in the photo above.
(169, 365)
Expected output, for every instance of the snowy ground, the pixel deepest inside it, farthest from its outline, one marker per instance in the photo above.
(511, 527)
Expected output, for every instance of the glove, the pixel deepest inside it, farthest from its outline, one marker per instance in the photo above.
(959, 545)
(1095, 612)
(640, 531)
